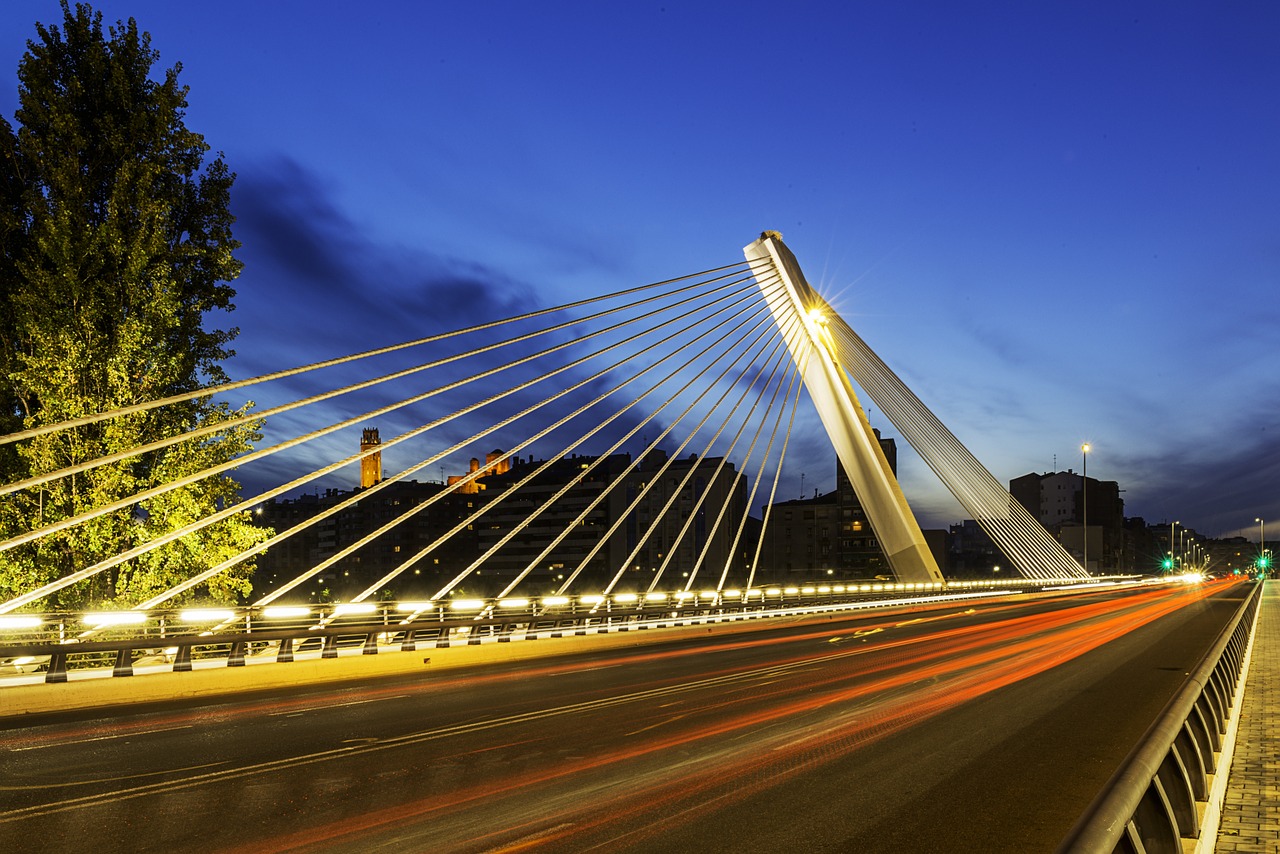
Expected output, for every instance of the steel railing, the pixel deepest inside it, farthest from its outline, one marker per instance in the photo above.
(58, 642)
(1155, 800)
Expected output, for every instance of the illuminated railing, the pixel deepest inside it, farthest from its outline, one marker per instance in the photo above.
(120, 639)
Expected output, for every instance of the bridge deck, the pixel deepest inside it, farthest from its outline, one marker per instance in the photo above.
(1251, 811)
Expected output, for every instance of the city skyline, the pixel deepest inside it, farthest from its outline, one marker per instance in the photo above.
(1056, 226)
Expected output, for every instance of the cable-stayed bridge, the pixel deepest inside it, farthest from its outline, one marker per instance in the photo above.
(643, 437)
(709, 367)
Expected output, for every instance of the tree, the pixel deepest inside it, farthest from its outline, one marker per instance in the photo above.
(116, 241)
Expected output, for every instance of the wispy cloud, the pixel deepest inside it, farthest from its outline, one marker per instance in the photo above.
(312, 272)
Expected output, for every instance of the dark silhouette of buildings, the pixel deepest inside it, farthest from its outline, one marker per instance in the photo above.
(506, 523)
(639, 520)
(830, 535)
(289, 556)
(1057, 501)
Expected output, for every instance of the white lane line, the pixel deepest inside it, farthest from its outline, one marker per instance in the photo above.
(583, 670)
(100, 738)
(294, 712)
(30, 786)
(655, 726)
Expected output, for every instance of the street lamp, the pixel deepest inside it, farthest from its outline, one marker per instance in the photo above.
(1262, 539)
(1173, 561)
(1084, 500)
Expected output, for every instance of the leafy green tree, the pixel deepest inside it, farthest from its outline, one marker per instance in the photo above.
(116, 241)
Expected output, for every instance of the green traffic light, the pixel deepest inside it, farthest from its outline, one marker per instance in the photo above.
(1168, 563)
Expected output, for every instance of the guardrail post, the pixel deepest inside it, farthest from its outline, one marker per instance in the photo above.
(57, 668)
(285, 653)
(371, 643)
(1204, 710)
(235, 657)
(1154, 822)
(330, 649)
(408, 644)
(182, 661)
(124, 663)
(1218, 709)
(1175, 780)
(1193, 760)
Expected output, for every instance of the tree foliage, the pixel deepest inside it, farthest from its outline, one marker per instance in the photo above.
(115, 242)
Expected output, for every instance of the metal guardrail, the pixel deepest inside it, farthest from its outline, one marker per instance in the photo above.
(1154, 801)
(58, 642)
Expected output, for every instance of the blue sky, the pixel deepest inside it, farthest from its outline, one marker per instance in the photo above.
(1057, 222)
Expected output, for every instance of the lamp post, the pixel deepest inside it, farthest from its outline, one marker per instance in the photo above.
(1173, 562)
(1262, 539)
(1084, 500)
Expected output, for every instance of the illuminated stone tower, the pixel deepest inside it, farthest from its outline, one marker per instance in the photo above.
(370, 466)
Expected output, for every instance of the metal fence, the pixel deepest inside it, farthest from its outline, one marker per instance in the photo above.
(1155, 801)
(57, 643)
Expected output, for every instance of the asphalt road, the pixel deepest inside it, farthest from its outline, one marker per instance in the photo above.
(976, 727)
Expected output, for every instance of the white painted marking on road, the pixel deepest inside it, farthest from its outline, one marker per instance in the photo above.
(295, 712)
(655, 726)
(30, 786)
(100, 738)
(583, 670)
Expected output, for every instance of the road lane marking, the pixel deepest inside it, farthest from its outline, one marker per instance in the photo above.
(293, 712)
(578, 670)
(655, 726)
(100, 738)
(29, 786)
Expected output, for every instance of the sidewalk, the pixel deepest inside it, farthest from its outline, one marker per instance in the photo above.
(1251, 811)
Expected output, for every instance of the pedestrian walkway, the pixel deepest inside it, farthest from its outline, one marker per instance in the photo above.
(1251, 811)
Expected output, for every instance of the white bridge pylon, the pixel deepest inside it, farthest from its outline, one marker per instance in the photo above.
(827, 351)
(802, 316)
